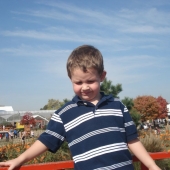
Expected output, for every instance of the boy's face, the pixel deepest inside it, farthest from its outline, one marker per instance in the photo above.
(87, 84)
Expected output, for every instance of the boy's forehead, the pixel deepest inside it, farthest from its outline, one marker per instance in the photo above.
(80, 75)
(89, 70)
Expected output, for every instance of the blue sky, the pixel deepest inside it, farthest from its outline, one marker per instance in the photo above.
(37, 36)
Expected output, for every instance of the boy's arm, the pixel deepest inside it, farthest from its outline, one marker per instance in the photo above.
(36, 149)
(140, 152)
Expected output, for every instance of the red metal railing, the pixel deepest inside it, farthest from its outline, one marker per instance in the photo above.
(155, 156)
(70, 165)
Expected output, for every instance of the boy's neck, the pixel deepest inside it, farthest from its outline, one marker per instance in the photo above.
(95, 101)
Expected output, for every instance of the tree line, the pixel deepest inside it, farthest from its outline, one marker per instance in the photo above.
(141, 108)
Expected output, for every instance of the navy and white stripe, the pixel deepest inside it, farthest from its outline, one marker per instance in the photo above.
(93, 133)
(129, 123)
(108, 112)
(72, 124)
(67, 108)
(125, 109)
(55, 134)
(100, 151)
(115, 166)
(98, 113)
(56, 118)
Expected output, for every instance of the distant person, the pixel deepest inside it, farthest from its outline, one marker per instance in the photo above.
(7, 136)
(39, 126)
(154, 123)
(11, 133)
(157, 131)
(36, 132)
(23, 136)
(32, 134)
(15, 133)
(3, 127)
(98, 127)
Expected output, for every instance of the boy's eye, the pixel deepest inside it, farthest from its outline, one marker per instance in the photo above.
(78, 83)
(90, 82)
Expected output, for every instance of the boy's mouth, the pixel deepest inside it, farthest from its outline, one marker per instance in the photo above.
(85, 93)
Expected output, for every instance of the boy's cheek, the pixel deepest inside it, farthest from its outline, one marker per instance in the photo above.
(76, 89)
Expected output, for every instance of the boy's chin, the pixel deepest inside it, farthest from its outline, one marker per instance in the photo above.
(87, 98)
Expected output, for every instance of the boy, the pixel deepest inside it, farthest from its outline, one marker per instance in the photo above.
(97, 127)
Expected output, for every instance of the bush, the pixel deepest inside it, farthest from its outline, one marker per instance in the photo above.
(11, 151)
(6, 124)
(153, 143)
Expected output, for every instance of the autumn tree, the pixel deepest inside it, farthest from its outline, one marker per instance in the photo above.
(54, 104)
(148, 107)
(163, 112)
(28, 119)
(107, 87)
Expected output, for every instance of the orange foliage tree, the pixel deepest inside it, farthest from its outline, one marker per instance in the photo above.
(163, 113)
(28, 119)
(148, 107)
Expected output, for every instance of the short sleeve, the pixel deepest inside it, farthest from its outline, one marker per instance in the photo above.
(130, 128)
(54, 135)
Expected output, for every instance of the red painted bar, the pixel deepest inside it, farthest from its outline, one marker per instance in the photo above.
(46, 166)
(160, 155)
(156, 156)
(70, 165)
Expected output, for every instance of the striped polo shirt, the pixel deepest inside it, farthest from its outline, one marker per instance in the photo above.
(97, 135)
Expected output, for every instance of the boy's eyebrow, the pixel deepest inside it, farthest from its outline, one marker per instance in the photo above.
(77, 80)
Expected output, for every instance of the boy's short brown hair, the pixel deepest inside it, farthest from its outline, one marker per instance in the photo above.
(85, 57)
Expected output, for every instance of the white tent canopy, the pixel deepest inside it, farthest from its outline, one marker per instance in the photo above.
(6, 108)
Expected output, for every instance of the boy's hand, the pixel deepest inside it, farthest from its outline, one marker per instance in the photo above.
(36, 149)
(14, 163)
(154, 167)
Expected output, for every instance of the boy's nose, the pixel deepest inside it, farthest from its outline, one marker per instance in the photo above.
(85, 87)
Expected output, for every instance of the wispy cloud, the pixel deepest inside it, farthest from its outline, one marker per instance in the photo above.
(60, 36)
(92, 36)
(148, 20)
(130, 69)
(146, 29)
(34, 51)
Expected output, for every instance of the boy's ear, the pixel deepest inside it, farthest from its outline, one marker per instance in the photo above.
(103, 75)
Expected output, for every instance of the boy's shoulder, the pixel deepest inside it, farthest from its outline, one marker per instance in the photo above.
(109, 97)
(116, 99)
(113, 101)
(67, 106)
